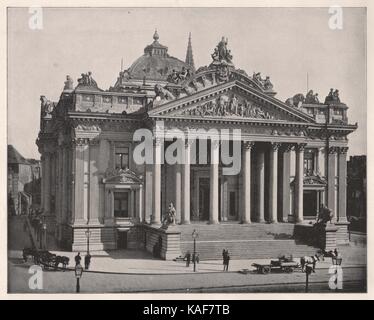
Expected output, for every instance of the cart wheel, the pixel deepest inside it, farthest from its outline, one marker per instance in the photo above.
(288, 269)
(265, 270)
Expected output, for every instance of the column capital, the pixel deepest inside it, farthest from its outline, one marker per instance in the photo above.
(287, 147)
(300, 147)
(275, 146)
(80, 141)
(333, 150)
(248, 145)
(343, 150)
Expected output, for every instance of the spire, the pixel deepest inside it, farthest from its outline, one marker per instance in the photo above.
(189, 55)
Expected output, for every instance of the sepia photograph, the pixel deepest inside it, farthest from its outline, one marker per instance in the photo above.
(186, 149)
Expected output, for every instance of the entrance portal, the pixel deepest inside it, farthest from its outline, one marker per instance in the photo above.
(122, 240)
(204, 199)
(310, 204)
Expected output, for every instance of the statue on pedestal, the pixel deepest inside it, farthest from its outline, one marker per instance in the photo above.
(169, 218)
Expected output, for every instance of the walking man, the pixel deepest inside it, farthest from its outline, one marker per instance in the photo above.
(188, 258)
(78, 259)
(224, 253)
(227, 261)
(87, 261)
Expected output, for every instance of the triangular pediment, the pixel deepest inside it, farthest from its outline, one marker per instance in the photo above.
(230, 100)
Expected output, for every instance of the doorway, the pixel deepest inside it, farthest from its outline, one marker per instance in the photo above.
(204, 199)
(122, 240)
(310, 204)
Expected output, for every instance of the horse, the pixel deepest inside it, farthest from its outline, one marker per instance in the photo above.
(296, 101)
(310, 260)
(63, 260)
(26, 252)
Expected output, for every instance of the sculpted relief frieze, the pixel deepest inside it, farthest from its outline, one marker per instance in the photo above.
(231, 105)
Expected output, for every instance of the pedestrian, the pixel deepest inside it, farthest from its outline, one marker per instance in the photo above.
(224, 254)
(78, 259)
(87, 261)
(227, 261)
(187, 257)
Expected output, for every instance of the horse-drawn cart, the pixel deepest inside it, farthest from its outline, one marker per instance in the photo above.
(279, 265)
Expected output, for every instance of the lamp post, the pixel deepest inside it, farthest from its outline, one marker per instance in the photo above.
(336, 261)
(44, 233)
(308, 271)
(194, 236)
(88, 235)
(78, 275)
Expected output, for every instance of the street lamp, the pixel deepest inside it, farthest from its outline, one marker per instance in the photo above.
(194, 236)
(78, 275)
(88, 235)
(44, 233)
(308, 271)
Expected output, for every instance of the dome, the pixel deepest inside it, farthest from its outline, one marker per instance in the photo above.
(155, 64)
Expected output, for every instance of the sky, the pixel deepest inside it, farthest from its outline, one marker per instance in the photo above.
(284, 43)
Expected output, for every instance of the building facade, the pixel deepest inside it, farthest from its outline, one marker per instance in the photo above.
(24, 178)
(292, 154)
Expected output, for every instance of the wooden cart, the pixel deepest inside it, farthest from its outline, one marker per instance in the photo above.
(280, 265)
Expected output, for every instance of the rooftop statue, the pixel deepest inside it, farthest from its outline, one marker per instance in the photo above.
(177, 77)
(296, 101)
(221, 53)
(46, 106)
(68, 83)
(87, 80)
(311, 97)
(265, 83)
(333, 96)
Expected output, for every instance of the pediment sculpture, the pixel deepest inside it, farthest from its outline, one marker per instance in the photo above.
(229, 105)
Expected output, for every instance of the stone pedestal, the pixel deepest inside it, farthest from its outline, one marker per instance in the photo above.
(330, 237)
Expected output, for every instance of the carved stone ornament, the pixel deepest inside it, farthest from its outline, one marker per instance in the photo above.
(229, 105)
(47, 106)
(122, 176)
(314, 180)
(87, 80)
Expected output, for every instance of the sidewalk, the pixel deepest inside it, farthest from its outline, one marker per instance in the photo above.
(141, 262)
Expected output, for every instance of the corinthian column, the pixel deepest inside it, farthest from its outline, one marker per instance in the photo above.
(213, 215)
(246, 217)
(273, 192)
(342, 184)
(156, 217)
(299, 183)
(260, 185)
(186, 183)
(47, 185)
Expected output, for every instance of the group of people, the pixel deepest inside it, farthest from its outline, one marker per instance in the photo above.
(87, 260)
(191, 258)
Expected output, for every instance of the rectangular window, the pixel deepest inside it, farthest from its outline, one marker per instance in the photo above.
(122, 158)
(121, 204)
(309, 162)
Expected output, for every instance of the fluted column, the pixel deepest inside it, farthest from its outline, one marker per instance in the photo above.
(186, 183)
(246, 216)
(156, 216)
(273, 177)
(148, 193)
(331, 168)
(139, 206)
(260, 157)
(213, 214)
(285, 183)
(342, 217)
(299, 183)
(178, 188)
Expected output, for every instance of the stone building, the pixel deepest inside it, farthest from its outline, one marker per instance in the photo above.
(293, 154)
(23, 182)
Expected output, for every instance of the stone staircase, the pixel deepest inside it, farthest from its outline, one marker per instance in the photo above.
(253, 241)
